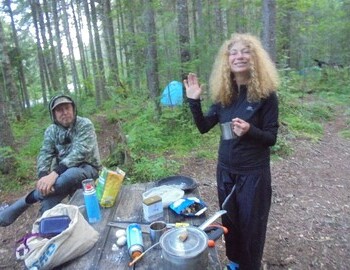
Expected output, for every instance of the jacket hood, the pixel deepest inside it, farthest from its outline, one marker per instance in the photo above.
(60, 99)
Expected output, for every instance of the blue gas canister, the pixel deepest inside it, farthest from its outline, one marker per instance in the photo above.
(134, 240)
(91, 202)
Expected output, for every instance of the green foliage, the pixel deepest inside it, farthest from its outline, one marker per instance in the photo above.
(158, 146)
(146, 169)
(28, 135)
(346, 132)
(6, 152)
(8, 183)
(307, 100)
(281, 148)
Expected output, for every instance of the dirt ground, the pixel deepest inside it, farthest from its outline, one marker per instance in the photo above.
(309, 223)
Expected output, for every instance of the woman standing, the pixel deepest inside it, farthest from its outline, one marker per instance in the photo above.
(243, 85)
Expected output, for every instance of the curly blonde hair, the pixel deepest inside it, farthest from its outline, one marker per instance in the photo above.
(263, 78)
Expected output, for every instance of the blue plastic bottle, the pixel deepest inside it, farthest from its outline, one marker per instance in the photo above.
(91, 203)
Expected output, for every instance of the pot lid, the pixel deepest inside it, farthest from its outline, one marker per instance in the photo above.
(174, 243)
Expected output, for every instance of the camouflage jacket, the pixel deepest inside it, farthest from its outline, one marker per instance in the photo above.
(65, 148)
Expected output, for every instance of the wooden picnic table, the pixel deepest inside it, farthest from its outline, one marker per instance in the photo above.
(128, 207)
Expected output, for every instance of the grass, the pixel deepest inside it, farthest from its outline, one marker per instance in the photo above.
(159, 146)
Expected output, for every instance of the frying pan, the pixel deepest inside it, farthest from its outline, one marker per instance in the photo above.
(183, 182)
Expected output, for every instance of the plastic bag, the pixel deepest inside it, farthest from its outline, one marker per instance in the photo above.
(190, 207)
(108, 186)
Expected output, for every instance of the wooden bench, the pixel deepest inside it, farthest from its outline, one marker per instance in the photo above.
(128, 207)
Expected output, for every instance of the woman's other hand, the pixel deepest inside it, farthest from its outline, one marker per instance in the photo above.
(193, 89)
(240, 127)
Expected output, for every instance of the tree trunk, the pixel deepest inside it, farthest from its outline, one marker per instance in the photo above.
(97, 83)
(46, 56)
(53, 67)
(109, 39)
(184, 35)
(39, 51)
(101, 70)
(6, 136)
(11, 86)
(269, 27)
(136, 54)
(83, 60)
(19, 57)
(220, 32)
(152, 57)
(75, 76)
(124, 37)
(62, 73)
(241, 25)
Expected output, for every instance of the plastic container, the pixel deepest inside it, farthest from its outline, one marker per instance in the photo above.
(168, 194)
(91, 202)
(52, 226)
(134, 240)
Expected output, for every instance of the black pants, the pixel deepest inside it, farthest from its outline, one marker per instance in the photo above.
(248, 210)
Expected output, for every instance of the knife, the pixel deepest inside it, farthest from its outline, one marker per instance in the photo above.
(144, 225)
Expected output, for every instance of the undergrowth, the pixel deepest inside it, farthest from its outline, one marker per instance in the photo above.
(158, 146)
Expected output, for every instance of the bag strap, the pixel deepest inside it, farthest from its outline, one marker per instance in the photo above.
(24, 241)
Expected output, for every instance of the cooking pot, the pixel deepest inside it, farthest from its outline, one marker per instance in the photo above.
(184, 248)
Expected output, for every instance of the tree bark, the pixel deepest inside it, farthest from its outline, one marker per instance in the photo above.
(10, 84)
(39, 51)
(152, 56)
(62, 72)
(184, 35)
(53, 67)
(6, 136)
(75, 75)
(220, 32)
(269, 27)
(97, 83)
(136, 53)
(46, 55)
(19, 56)
(109, 39)
(83, 60)
(101, 70)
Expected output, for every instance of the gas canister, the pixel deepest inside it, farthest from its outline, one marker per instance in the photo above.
(134, 240)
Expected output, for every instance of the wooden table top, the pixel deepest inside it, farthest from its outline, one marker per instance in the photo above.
(128, 207)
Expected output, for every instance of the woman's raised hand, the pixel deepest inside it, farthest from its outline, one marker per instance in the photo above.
(193, 89)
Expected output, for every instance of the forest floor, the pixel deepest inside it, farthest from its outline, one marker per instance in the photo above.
(309, 222)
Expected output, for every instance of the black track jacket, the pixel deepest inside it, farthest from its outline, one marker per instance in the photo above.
(251, 152)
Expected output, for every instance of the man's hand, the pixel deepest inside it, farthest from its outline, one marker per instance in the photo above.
(193, 89)
(45, 184)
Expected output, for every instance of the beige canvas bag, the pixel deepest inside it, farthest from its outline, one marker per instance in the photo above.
(46, 253)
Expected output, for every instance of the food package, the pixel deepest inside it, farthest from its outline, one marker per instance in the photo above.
(108, 186)
(191, 206)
